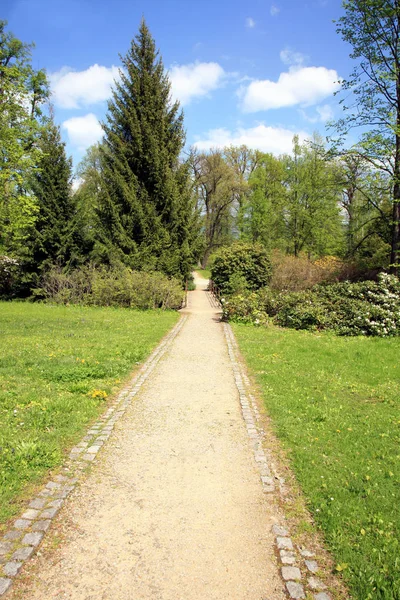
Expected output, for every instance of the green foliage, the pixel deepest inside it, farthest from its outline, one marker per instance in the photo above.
(373, 87)
(311, 209)
(89, 176)
(368, 308)
(241, 265)
(242, 161)
(367, 205)
(300, 310)
(22, 91)
(290, 203)
(9, 274)
(145, 207)
(365, 308)
(104, 286)
(264, 216)
(334, 404)
(217, 186)
(244, 308)
(57, 366)
(56, 238)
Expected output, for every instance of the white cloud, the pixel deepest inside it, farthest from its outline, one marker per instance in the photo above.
(288, 57)
(267, 139)
(300, 85)
(195, 80)
(76, 183)
(324, 113)
(74, 89)
(250, 23)
(274, 10)
(83, 131)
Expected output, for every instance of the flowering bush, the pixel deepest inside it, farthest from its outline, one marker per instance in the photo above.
(9, 268)
(244, 309)
(367, 308)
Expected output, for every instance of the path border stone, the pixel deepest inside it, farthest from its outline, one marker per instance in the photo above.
(298, 564)
(20, 542)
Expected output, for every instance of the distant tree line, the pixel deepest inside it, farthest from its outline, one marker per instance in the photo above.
(311, 201)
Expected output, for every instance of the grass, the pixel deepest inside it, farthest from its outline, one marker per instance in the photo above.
(206, 273)
(58, 366)
(334, 404)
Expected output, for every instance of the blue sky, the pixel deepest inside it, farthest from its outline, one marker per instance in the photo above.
(254, 72)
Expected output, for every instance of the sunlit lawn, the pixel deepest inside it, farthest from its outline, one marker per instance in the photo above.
(58, 365)
(206, 273)
(335, 403)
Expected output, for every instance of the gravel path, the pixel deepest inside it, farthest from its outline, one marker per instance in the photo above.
(173, 509)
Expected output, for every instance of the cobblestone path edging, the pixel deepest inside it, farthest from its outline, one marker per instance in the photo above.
(22, 540)
(298, 566)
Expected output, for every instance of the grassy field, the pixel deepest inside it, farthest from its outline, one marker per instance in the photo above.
(58, 366)
(206, 273)
(334, 404)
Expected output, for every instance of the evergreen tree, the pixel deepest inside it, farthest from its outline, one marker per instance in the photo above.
(56, 239)
(144, 210)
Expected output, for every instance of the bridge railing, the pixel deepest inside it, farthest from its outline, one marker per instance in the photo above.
(214, 290)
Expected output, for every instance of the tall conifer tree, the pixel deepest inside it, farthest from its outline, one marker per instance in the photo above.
(145, 209)
(56, 238)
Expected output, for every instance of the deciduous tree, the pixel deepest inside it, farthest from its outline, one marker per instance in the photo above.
(217, 186)
(372, 27)
(22, 93)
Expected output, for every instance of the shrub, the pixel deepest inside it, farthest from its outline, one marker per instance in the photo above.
(367, 308)
(118, 286)
(244, 309)
(59, 287)
(240, 267)
(364, 308)
(301, 310)
(294, 274)
(9, 271)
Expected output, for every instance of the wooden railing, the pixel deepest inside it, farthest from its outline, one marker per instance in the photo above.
(214, 290)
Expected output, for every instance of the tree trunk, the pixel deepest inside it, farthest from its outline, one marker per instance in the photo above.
(395, 253)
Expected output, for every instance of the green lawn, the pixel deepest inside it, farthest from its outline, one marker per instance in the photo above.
(206, 273)
(334, 404)
(57, 365)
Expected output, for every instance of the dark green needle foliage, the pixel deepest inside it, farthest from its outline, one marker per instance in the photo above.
(146, 207)
(56, 238)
